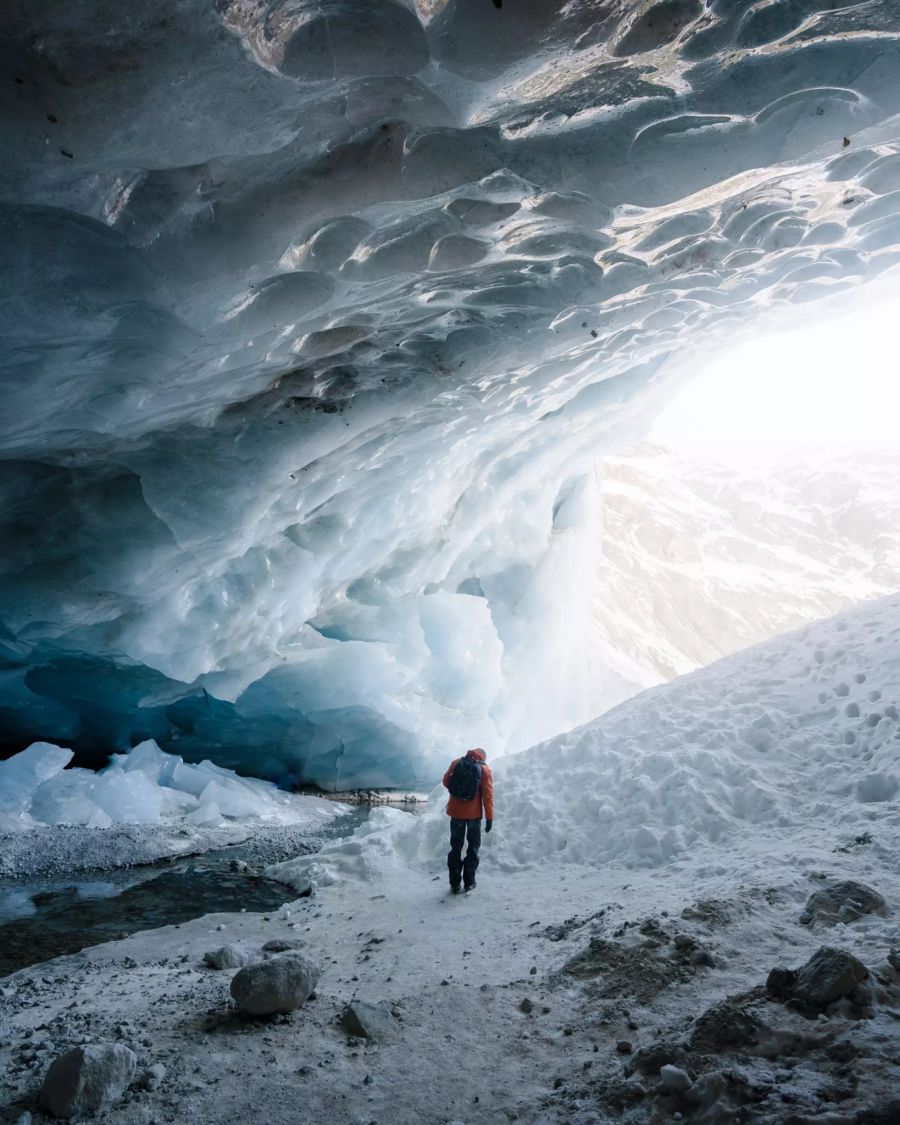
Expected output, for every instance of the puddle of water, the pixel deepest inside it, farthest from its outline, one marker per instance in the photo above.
(48, 918)
(69, 918)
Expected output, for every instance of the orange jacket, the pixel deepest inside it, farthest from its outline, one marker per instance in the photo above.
(482, 804)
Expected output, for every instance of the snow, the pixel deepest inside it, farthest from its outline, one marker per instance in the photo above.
(798, 736)
(307, 370)
(577, 911)
(146, 786)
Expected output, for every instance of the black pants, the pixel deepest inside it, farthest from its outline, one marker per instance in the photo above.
(460, 831)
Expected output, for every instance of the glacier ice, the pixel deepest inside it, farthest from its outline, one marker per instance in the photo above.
(144, 786)
(311, 342)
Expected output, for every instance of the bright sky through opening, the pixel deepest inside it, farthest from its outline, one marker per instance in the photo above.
(831, 384)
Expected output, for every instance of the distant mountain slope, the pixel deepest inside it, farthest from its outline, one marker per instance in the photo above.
(701, 560)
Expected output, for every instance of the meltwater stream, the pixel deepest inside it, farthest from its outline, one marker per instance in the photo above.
(45, 918)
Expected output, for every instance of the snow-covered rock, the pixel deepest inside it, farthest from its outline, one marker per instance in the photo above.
(317, 315)
(843, 901)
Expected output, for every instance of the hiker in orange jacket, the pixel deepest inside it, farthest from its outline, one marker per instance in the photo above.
(471, 789)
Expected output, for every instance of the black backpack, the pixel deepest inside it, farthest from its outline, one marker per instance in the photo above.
(465, 779)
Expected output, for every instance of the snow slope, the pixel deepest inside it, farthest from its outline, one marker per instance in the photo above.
(789, 740)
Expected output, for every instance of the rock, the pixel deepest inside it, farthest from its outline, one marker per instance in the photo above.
(674, 1080)
(894, 959)
(225, 958)
(780, 983)
(87, 1079)
(827, 976)
(842, 902)
(526, 1006)
(650, 1060)
(279, 985)
(368, 1021)
(624, 1047)
(153, 1076)
(24, 1118)
(282, 945)
(730, 1023)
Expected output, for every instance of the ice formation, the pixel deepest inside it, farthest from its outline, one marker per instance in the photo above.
(144, 786)
(316, 315)
(786, 747)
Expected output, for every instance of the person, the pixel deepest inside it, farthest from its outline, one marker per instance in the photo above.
(465, 814)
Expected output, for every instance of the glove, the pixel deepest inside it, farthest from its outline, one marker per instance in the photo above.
(488, 825)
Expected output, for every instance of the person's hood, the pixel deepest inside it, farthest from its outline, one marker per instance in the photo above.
(478, 755)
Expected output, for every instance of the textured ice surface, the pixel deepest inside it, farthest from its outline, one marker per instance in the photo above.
(144, 786)
(316, 315)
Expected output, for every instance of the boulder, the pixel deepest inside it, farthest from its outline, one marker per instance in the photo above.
(153, 1076)
(279, 985)
(87, 1079)
(368, 1021)
(842, 902)
(225, 958)
(827, 976)
(282, 945)
(780, 983)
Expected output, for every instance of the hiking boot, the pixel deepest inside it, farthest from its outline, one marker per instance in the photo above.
(469, 886)
(454, 888)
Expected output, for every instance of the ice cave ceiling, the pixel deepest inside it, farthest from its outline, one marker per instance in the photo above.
(317, 312)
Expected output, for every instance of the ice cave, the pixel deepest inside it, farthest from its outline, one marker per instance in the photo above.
(383, 379)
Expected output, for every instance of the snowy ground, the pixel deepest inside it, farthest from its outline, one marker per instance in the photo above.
(65, 849)
(711, 808)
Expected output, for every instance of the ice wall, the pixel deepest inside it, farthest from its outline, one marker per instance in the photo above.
(316, 315)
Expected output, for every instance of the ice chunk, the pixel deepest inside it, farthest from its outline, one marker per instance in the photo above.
(144, 786)
(147, 757)
(23, 773)
(128, 796)
(67, 798)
